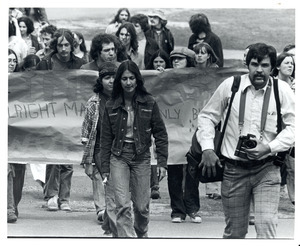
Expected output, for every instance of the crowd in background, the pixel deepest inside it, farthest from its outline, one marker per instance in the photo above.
(128, 45)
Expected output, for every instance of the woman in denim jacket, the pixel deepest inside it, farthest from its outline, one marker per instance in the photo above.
(131, 117)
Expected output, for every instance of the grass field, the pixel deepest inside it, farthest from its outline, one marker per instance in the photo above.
(237, 28)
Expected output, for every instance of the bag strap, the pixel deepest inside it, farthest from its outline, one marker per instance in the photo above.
(281, 155)
(234, 88)
(278, 108)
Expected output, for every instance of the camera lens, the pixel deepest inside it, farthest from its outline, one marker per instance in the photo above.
(250, 144)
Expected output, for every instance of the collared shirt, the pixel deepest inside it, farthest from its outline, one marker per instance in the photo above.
(216, 109)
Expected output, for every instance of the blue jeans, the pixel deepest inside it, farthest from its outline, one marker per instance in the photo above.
(239, 186)
(104, 197)
(58, 182)
(110, 215)
(176, 186)
(290, 179)
(130, 175)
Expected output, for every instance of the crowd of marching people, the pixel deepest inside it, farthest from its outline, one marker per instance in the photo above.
(122, 119)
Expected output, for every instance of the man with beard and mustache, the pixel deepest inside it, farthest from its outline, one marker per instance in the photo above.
(158, 36)
(251, 172)
(62, 56)
(105, 48)
(122, 16)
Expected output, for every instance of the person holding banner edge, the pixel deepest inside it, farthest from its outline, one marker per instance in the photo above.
(131, 117)
(58, 177)
(249, 165)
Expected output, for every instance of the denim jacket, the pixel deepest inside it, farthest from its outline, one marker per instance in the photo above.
(147, 122)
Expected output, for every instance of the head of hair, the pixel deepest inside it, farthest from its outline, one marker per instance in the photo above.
(28, 22)
(10, 51)
(288, 47)
(133, 68)
(279, 60)
(51, 29)
(62, 33)
(116, 18)
(106, 68)
(142, 20)
(99, 40)
(206, 47)
(199, 23)
(30, 61)
(82, 45)
(260, 51)
(133, 37)
(163, 55)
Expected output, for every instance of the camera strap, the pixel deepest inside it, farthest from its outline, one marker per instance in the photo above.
(263, 112)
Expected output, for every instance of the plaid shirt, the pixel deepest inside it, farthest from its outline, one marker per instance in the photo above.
(89, 128)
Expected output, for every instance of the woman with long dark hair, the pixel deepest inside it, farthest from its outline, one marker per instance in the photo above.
(12, 61)
(205, 57)
(131, 117)
(159, 61)
(26, 29)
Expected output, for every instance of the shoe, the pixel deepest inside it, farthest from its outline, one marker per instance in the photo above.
(52, 203)
(11, 218)
(176, 220)
(214, 196)
(65, 207)
(195, 217)
(107, 232)
(155, 194)
(251, 220)
(100, 216)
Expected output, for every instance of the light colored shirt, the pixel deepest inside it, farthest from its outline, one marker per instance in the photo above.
(18, 45)
(113, 28)
(216, 109)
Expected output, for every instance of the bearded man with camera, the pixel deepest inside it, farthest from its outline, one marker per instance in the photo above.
(251, 143)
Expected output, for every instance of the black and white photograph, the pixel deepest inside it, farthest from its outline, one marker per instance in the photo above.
(163, 121)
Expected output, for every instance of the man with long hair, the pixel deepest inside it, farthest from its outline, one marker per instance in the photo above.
(62, 56)
(122, 16)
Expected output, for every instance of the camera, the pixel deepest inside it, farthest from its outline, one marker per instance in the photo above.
(245, 142)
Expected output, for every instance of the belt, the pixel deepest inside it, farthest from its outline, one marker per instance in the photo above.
(249, 163)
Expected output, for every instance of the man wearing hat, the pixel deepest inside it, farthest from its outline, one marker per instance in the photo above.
(158, 36)
(182, 57)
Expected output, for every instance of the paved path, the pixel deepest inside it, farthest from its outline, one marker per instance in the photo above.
(35, 221)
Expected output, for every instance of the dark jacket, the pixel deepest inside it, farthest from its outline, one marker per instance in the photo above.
(46, 64)
(147, 122)
(214, 41)
(152, 46)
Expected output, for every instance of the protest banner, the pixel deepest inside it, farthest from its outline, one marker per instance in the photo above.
(46, 109)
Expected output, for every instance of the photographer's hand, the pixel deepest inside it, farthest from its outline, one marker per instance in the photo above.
(260, 150)
(209, 162)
